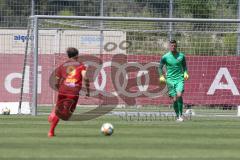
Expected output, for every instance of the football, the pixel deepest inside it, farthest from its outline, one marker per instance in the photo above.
(107, 129)
(6, 111)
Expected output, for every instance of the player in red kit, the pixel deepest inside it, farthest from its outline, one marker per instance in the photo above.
(69, 79)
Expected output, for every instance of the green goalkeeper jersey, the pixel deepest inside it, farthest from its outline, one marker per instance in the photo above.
(175, 65)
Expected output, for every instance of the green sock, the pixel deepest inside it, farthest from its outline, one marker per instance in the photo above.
(180, 105)
(175, 106)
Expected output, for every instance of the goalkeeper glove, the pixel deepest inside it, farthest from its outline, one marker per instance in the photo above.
(162, 79)
(186, 76)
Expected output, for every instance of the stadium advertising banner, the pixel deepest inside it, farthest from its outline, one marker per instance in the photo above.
(56, 41)
(213, 80)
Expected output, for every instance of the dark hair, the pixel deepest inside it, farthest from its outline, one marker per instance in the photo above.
(173, 41)
(72, 52)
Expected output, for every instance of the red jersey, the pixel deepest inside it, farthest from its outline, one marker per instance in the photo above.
(70, 74)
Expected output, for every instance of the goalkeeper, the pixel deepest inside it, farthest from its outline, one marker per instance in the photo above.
(69, 78)
(176, 73)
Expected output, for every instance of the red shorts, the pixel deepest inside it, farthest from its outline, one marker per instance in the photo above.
(66, 104)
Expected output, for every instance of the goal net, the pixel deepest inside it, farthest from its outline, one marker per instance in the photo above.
(123, 56)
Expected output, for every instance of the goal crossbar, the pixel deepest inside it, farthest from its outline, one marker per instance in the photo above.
(146, 19)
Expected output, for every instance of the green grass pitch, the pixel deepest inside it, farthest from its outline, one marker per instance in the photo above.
(25, 138)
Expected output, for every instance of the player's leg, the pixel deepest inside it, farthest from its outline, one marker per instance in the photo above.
(66, 104)
(66, 107)
(180, 90)
(172, 93)
(53, 124)
(175, 105)
(53, 118)
(51, 115)
(180, 103)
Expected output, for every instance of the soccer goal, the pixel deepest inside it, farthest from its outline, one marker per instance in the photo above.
(124, 54)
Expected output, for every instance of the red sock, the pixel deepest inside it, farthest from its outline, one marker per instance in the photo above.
(53, 125)
(51, 115)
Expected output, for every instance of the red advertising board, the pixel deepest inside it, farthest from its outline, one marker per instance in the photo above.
(213, 80)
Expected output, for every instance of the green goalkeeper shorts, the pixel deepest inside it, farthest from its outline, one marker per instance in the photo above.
(175, 86)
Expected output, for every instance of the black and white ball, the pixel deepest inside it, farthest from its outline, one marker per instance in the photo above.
(107, 129)
(6, 111)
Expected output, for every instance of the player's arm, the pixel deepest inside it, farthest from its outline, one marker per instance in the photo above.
(160, 70)
(185, 71)
(86, 82)
(57, 77)
(57, 82)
